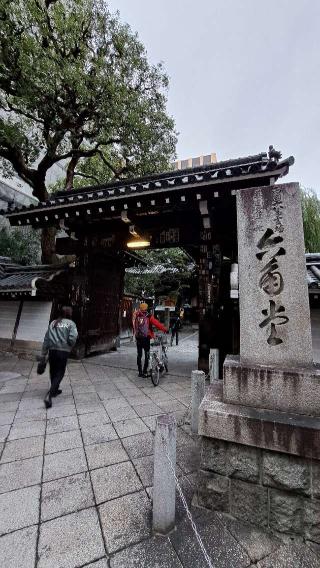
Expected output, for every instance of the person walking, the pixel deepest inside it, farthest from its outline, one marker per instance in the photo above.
(59, 339)
(143, 334)
(175, 328)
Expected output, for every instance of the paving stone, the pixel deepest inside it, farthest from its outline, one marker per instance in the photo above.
(31, 403)
(139, 445)
(30, 415)
(98, 434)
(56, 411)
(149, 409)
(70, 541)
(19, 509)
(6, 418)
(107, 453)
(22, 449)
(130, 427)
(291, 556)
(66, 495)
(4, 431)
(119, 402)
(8, 375)
(93, 418)
(64, 463)
(13, 387)
(18, 549)
(119, 529)
(87, 408)
(151, 421)
(223, 549)
(171, 406)
(155, 552)
(13, 397)
(62, 424)
(124, 413)
(9, 406)
(144, 467)
(85, 389)
(63, 441)
(257, 543)
(100, 564)
(22, 430)
(114, 481)
(18, 474)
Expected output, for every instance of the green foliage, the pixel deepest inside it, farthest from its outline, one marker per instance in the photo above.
(21, 244)
(76, 87)
(172, 274)
(311, 219)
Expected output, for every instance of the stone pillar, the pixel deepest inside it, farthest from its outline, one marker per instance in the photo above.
(164, 490)
(214, 365)
(198, 379)
(273, 293)
(261, 428)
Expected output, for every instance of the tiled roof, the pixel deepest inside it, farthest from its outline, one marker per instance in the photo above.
(220, 172)
(313, 271)
(22, 279)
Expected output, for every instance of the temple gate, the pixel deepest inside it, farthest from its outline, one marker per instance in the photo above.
(194, 209)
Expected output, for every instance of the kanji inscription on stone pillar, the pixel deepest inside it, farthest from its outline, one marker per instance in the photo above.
(273, 294)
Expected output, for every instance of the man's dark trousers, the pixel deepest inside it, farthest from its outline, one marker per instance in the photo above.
(175, 333)
(58, 362)
(143, 344)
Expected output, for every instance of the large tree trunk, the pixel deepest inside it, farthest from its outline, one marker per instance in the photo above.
(48, 245)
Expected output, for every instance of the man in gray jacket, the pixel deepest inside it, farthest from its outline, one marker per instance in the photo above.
(59, 339)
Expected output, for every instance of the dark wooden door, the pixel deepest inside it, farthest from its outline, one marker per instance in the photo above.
(102, 312)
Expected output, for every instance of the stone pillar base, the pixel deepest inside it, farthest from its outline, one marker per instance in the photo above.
(261, 466)
(277, 388)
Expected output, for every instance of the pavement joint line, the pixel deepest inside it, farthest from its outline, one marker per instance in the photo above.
(92, 489)
(94, 562)
(40, 498)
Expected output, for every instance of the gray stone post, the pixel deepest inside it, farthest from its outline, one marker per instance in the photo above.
(198, 379)
(214, 365)
(164, 491)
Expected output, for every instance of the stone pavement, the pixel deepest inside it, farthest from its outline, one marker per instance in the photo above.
(76, 480)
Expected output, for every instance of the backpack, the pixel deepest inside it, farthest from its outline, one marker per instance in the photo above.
(142, 325)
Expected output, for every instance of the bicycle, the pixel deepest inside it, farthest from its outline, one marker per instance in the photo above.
(158, 361)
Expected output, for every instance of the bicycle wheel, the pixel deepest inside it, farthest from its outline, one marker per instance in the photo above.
(155, 372)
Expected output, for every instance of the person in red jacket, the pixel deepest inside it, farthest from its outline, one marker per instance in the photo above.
(143, 333)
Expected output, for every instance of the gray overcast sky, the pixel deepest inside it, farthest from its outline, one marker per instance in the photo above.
(243, 74)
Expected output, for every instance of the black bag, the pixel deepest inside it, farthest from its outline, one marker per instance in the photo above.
(41, 366)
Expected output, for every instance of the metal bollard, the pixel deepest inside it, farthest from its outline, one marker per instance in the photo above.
(164, 489)
(214, 365)
(198, 380)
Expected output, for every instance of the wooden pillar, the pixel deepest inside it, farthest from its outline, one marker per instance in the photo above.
(209, 277)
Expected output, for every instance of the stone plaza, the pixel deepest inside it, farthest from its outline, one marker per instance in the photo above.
(76, 480)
